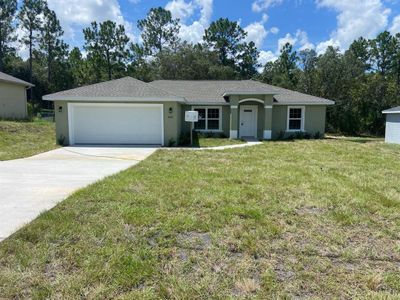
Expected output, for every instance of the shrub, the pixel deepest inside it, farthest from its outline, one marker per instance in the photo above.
(318, 135)
(171, 143)
(61, 140)
(184, 139)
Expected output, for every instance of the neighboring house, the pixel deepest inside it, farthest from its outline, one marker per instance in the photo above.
(129, 111)
(13, 100)
(392, 134)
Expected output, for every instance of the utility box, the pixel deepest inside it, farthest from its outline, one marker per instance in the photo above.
(191, 116)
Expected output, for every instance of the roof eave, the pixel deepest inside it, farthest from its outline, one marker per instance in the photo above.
(113, 99)
(391, 112)
(230, 93)
(25, 84)
(305, 103)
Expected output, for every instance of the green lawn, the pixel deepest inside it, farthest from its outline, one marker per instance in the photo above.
(206, 142)
(303, 219)
(23, 139)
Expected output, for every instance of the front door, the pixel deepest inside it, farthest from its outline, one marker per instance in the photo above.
(248, 121)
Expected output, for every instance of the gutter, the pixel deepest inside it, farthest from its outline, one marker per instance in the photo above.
(113, 99)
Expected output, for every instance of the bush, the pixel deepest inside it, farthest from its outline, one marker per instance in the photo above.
(281, 136)
(318, 135)
(171, 143)
(184, 139)
(61, 140)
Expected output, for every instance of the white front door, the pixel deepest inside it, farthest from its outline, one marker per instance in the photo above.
(248, 121)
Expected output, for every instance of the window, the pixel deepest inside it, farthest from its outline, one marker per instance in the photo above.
(209, 118)
(295, 118)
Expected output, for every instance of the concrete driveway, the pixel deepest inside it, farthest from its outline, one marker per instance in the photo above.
(32, 185)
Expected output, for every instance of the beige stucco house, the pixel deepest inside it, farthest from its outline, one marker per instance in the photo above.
(13, 99)
(129, 111)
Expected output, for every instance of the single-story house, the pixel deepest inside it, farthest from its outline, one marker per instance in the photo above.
(392, 134)
(13, 97)
(130, 111)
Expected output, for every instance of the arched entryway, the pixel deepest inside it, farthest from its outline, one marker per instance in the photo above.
(249, 118)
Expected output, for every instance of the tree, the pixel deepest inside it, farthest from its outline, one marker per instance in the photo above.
(360, 49)
(106, 44)
(286, 66)
(396, 68)
(191, 62)
(267, 75)
(159, 30)
(139, 67)
(79, 68)
(308, 61)
(8, 9)
(225, 37)
(50, 42)
(383, 52)
(248, 60)
(30, 17)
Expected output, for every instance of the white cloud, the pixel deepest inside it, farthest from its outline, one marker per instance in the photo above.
(303, 40)
(180, 9)
(256, 32)
(356, 18)
(194, 32)
(267, 56)
(263, 5)
(395, 28)
(288, 38)
(300, 39)
(274, 30)
(321, 47)
(75, 14)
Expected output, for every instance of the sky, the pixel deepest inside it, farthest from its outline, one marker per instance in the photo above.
(270, 24)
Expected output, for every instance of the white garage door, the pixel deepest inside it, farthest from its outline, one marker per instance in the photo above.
(106, 123)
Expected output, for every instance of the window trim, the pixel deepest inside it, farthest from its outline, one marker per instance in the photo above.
(206, 118)
(303, 114)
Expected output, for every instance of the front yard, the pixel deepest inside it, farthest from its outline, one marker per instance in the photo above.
(23, 139)
(303, 219)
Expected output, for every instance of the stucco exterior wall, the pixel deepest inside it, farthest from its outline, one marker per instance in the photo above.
(271, 119)
(172, 121)
(392, 134)
(13, 103)
(314, 120)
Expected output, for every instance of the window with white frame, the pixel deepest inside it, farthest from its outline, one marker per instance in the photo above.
(295, 118)
(210, 118)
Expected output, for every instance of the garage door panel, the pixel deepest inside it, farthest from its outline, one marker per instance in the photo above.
(116, 124)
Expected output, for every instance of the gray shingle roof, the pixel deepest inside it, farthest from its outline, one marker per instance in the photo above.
(190, 91)
(11, 79)
(126, 88)
(213, 91)
(393, 110)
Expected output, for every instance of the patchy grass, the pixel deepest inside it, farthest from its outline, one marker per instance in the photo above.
(23, 139)
(206, 142)
(303, 219)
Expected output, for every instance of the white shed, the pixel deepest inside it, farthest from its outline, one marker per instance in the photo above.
(392, 134)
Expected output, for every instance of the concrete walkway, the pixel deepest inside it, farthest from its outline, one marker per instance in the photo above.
(247, 144)
(32, 185)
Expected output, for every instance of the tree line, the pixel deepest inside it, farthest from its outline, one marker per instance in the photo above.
(363, 80)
